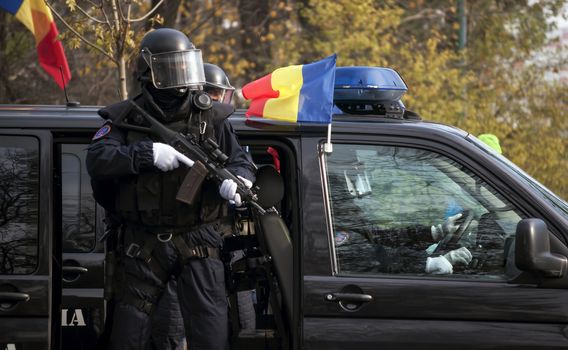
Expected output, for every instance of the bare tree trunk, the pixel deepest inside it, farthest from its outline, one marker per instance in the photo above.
(122, 78)
(120, 51)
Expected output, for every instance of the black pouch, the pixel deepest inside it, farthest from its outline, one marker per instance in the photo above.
(148, 193)
(126, 199)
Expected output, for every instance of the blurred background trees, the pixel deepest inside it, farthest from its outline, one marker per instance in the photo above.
(495, 78)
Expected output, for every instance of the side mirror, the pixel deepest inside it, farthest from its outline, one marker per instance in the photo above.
(532, 250)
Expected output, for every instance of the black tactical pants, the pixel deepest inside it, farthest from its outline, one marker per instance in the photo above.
(200, 288)
(167, 329)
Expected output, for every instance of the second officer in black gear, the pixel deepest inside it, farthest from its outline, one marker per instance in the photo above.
(217, 84)
(138, 177)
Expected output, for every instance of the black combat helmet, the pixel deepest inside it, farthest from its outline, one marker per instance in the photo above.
(217, 83)
(170, 60)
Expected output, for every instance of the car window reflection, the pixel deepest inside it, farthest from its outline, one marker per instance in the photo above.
(396, 208)
(19, 204)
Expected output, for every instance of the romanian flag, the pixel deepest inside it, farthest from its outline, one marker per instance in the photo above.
(36, 16)
(301, 93)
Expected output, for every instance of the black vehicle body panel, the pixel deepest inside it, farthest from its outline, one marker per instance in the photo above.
(82, 272)
(33, 316)
(404, 309)
(405, 312)
(326, 333)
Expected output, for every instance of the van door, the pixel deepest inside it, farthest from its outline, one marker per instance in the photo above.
(395, 282)
(25, 239)
(79, 226)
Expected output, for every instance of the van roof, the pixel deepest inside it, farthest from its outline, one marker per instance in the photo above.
(85, 117)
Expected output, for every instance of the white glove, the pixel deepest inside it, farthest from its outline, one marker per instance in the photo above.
(449, 227)
(438, 265)
(228, 190)
(459, 256)
(167, 158)
(443, 264)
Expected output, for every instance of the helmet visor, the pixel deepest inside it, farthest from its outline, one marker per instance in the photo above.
(228, 96)
(220, 94)
(176, 69)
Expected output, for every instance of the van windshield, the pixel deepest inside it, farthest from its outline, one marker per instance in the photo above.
(544, 192)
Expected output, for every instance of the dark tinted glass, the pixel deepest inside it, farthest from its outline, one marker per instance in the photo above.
(19, 204)
(78, 211)
(393, 208)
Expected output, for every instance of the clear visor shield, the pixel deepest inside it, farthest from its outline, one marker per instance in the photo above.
(220, 95)
(176, 69)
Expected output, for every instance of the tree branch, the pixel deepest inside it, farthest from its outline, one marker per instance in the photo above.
(267, 17)
(126, 28)
(89, 16)
(93, 4)
(425, 13)
(85, 40)
(119, 6)
(148, 14)
(106, 18)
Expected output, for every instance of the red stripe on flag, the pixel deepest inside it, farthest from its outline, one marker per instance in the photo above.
(51, 56)
(260, 88)
(256, 107)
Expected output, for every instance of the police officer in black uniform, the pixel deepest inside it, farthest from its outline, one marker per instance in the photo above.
(137, 177)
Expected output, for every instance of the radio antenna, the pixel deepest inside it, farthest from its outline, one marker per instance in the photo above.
(69, 103)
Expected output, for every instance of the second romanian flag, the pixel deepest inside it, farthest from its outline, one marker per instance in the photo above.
(300, 93)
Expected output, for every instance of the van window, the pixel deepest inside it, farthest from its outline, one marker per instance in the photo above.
(19, 204)
(391, 208)
(78, 205)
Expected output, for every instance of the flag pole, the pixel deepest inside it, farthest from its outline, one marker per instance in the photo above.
(328, 146)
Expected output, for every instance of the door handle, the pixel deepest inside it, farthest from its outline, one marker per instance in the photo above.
(349, 297)
(71, 273)
(75, 269)
(14, 297)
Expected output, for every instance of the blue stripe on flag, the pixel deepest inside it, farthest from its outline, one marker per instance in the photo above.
(12, 6)
(316, 95)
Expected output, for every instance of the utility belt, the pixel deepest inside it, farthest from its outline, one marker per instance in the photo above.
(224, 226)
(143, 247)
(145, 242)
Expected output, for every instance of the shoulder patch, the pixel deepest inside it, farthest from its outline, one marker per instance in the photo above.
(102, 132)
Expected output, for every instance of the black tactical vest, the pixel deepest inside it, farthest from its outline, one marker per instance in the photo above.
(149, 199)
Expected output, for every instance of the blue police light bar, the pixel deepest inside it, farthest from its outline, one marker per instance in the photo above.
(369, 85)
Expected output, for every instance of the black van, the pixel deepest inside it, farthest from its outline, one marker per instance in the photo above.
(333, 268)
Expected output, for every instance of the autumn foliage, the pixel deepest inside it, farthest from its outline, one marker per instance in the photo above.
(501, 82)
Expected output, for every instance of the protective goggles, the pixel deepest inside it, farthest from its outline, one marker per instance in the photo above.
(175, 69)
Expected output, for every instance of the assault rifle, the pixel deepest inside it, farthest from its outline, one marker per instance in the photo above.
(208, 157)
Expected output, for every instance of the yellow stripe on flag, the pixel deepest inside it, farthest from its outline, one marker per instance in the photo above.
(288, 81)
(24, 15)
(36, 16)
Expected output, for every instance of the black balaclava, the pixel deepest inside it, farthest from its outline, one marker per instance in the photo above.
(169, 104)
